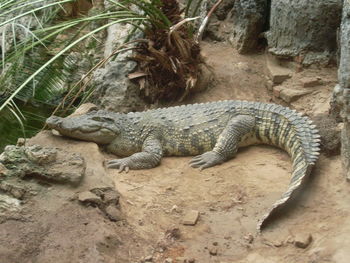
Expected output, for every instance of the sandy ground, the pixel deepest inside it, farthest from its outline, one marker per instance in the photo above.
(230, 199)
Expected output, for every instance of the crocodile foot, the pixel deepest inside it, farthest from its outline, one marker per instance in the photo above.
(121, 164)
(207, 159)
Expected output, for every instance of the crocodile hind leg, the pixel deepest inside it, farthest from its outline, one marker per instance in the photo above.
(227, 143)
(149, 157)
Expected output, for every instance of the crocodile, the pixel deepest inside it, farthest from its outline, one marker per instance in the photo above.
(212, 132)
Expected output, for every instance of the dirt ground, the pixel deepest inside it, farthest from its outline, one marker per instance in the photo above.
(230, 198)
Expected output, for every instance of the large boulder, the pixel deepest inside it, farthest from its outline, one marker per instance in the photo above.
(114, 91)
(249, 18)
(239, 22)
(304, 28)
(341, 95)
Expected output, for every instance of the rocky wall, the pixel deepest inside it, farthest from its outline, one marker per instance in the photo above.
(239, 22)
(304, 28)
(114, 91)
(341, 95)
(249, 17)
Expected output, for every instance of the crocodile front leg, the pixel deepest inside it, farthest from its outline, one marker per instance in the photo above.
(227, 143)
(149, 157)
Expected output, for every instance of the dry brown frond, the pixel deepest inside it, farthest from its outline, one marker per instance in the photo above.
(171, 59)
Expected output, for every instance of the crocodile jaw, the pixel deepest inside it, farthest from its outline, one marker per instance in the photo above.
(86, 131)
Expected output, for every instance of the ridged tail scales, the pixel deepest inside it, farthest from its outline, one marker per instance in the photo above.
(300, 138)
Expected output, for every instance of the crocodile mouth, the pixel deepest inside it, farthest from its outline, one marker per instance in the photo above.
(90, 131)
(58, 123)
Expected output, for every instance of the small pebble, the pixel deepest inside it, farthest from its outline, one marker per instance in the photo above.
(88, 197)
(278, 243)
(213, 251)
(149, 258)
(113, 213)
(175, 208)
(249, 237)
(190, 218)
(302, 240)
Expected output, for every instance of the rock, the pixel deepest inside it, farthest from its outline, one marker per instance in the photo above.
(223, 9)
(278, 243)
(337, 102)
(248, 23)
(114, 91)
(29, 21)
(309, 82)
(249, 238)
(109, 195)
(190, 218)
(113, 213)
(287, 21)
(43, 163)
(89, 198)
(8, 204)
(239, 22)
(291, 94)
(149, 258)
(206, 76)
(276, 72)
(40, 155)
(21, 141)
(341, 93)
(3, 170)
(277, 91)
(302, 240)
(345, 150)
(181, 260)
(174, 208)
(173, 233)
(330, 134)
(16, 190)
(269, 85)
(213, 251)
(168, 260)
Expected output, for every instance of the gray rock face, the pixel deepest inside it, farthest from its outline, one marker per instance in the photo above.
(249, 18)
(43, 163)
(330, 134)
(345, 150)
(304, 28)
(19, 28)
(114, 91)
(239, 22)
(341, 94)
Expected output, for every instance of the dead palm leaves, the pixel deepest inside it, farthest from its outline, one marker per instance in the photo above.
(168, 64)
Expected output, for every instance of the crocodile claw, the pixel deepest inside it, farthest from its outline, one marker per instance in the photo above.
(120, 164)
(205, 160)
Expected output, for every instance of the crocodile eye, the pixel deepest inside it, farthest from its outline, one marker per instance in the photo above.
(102, 119)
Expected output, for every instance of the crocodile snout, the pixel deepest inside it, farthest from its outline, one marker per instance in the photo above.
(54, 121)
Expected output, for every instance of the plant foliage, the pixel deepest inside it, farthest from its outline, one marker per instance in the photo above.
(34, 70)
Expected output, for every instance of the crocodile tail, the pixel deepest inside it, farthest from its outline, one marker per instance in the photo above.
(301, 139)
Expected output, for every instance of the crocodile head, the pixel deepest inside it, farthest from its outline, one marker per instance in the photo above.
(96, 126)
